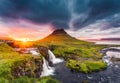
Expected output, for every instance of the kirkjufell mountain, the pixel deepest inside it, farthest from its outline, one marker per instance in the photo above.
(60, 36)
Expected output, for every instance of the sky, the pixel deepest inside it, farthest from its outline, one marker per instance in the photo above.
(35, 19)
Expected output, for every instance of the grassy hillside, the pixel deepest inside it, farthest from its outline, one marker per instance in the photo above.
(75, 50)
(11, 64)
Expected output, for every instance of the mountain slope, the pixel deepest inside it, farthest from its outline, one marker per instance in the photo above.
(60, 36)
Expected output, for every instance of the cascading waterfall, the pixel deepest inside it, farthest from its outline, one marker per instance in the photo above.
(47, 70)
(53, 59)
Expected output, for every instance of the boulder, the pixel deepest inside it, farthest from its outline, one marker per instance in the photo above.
(44, 52)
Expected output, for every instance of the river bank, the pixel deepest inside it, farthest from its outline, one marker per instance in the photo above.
(109, 75)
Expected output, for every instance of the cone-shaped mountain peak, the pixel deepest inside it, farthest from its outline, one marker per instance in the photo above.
(59, 31)
(59, 36)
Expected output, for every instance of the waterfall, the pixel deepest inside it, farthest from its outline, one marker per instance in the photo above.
(47, 70)
(53, 59)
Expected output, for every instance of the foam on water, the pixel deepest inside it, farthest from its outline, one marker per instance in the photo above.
(53, 59)
(47, 70)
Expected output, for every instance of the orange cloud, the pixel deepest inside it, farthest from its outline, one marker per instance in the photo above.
(25, 30)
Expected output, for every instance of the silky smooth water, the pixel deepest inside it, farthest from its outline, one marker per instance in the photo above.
(47, 70)
(53, 59)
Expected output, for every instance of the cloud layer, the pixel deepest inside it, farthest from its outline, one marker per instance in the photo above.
(68, 14)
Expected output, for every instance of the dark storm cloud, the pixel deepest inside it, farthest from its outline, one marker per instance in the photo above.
(98, 9)
(59, 12)
(38, 11)
(81, 6)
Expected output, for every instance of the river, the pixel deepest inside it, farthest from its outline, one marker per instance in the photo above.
(109, 75)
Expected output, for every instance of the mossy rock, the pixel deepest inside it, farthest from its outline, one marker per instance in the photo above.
(44, 52)
(86, 66)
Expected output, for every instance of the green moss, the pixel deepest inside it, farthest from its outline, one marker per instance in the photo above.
(86, 66)
(29, 80)
(10, 59)
(96, 65)
(48, 80)
(3, 80)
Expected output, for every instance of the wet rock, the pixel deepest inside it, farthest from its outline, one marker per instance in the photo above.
(44, 52)
(115, 59)
(28, 73)
(51, 64)
(37, 75)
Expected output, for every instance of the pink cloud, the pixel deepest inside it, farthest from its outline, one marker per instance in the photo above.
(24, 29)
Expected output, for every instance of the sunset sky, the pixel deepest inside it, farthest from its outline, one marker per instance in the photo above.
(35, 19)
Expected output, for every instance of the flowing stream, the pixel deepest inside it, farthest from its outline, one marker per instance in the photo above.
(63, 74)
(111, 53)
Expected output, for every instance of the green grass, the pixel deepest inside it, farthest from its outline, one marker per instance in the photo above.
(8, 57)
(29, 80)
(10, 61)
(48, 80)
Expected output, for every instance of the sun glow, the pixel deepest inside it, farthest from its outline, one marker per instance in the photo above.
(24, 40)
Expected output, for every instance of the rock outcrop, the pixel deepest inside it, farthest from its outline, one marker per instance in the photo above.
(30, 68)
(44, 52)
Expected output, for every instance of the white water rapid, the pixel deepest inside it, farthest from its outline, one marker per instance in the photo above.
(111, 54)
